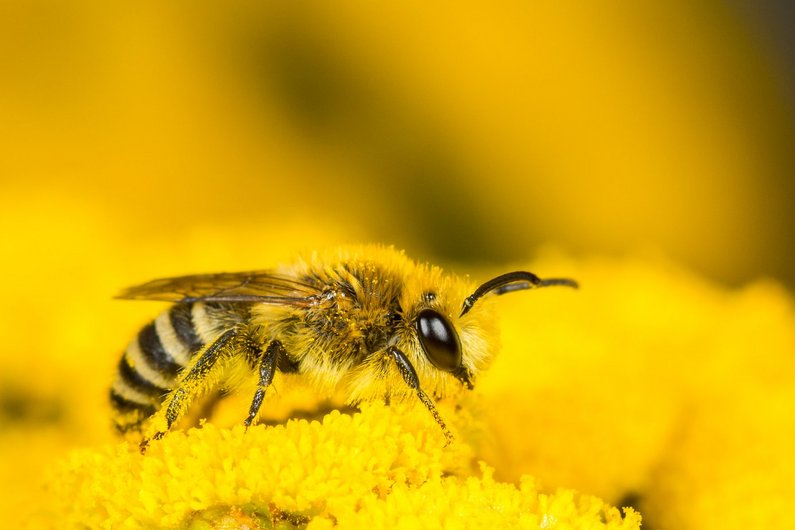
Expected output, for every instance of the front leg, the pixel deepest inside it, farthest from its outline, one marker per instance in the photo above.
(410, 377)
(267, 363)
(190, 386)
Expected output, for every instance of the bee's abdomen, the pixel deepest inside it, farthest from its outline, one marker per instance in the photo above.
(150, 365)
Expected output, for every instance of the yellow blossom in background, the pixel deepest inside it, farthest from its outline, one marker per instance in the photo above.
(677, 402)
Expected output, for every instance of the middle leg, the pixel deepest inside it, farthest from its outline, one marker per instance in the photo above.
(267, 363)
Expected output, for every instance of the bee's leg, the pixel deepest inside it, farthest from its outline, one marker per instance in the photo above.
(190, 386)
(411, 379)
(267, 362)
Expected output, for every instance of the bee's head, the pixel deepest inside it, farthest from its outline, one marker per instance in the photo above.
(438, 337)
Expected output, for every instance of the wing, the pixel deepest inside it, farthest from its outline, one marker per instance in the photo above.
(255, 286)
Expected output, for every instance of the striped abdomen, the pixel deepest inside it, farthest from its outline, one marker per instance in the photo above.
(150, 365)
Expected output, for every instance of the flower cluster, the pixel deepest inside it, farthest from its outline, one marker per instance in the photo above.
(381, 468)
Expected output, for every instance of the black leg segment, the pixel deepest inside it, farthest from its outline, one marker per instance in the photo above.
(268, 361)
(410, 377)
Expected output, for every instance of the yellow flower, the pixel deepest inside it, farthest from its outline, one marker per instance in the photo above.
(652, 386)
(383, 468)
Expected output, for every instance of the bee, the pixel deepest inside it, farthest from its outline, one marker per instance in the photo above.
(364, 320)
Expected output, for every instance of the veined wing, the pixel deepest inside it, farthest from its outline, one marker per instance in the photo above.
(253, 286)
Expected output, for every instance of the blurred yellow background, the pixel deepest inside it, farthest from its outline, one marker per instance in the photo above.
(154, 139)
(464, 132)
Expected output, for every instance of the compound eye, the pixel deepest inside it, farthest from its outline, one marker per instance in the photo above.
(439, 340)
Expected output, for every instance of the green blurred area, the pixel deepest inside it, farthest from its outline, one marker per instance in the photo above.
(460, 131)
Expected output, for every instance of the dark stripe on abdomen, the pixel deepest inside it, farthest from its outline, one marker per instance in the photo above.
(181, 316)
(130, 414)
(122, 404)
(157, 356)
(136, 381)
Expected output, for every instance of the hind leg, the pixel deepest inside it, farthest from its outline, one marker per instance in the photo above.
(201, 374)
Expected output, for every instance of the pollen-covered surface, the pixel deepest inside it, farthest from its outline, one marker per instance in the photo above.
(378, 469)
